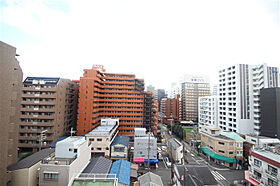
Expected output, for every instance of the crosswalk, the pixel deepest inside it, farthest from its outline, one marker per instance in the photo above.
(218, 176)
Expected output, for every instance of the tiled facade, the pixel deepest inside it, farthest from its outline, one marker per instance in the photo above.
(48, 106)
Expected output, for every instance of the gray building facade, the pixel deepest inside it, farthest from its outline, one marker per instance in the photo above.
(270, 112)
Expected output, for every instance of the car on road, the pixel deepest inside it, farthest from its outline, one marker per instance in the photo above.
(167, 161)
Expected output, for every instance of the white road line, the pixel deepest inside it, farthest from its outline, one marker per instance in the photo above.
(221, 175)
(217, 176)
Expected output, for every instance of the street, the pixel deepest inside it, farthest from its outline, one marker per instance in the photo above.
(224, 176)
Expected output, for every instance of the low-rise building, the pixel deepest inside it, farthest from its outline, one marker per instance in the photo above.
(119, 147)
(25, 172)
(145, 146)
(150, 179)
(71, 156)
(264, 167)
(121, 169)
(192, 175)
(102, 136)
(224, 148)
(175, 150)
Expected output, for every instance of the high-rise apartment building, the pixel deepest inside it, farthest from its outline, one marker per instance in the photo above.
(193, 87)
(208, 111)
(10, 94)
(150, 113)
(263, 77)
(110, 95)
(270, 112)
(159, 95)
(239, 96)
(47, 111)
(170, 108)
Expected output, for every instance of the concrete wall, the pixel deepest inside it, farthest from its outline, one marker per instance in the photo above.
(26, 177)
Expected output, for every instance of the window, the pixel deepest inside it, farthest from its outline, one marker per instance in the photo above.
(75, 150)
(221, 143)
(119, 149)
(70, 150)
(99, 148)
(51, 176)
(99, 139)
(272, 170)
(230, 144)
(221, 151)
(91, 139)
(258, 163)
(272, 182)
(230, 152)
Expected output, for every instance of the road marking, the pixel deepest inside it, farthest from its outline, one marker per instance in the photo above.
(217, 175)
(192, 155)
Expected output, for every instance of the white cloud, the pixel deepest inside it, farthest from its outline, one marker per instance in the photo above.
(157, 40)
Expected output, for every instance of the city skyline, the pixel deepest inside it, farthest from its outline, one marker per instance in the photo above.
(155, 40)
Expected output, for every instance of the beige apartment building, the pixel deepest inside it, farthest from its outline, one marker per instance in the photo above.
(224, 148)
(103, 136)
(10, 94)
(193, 87)
(48, 109)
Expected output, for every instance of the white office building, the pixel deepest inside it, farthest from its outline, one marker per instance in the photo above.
(239, 105)
(208, 111)
(142, 141)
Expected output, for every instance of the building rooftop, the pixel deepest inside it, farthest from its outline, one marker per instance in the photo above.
(268, 154)
(121, 169)
(175, 143)
(31, 160)
(122, 139)
(232, 135)
(75, 140)
(150, 179)
(41, 80)
(104, 128)
(98, 165)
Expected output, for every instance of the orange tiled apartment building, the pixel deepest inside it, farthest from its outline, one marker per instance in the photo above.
(110, 95)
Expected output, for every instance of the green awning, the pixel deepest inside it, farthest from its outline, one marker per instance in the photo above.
(217, 156)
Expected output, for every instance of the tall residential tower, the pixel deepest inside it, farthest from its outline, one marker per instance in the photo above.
(110, 95)
(10, 94)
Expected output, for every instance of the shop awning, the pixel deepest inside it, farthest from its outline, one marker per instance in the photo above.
(151, 161)
(217, 156)
(250, 180)
(139, 160)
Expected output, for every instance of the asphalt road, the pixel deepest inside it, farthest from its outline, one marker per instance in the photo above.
(223, 176)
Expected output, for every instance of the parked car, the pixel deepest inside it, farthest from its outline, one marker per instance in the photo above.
(167, 161)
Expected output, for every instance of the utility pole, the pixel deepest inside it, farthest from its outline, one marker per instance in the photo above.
(184, 166)
(149, 148)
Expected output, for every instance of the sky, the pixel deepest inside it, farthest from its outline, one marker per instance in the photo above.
(157, 40)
